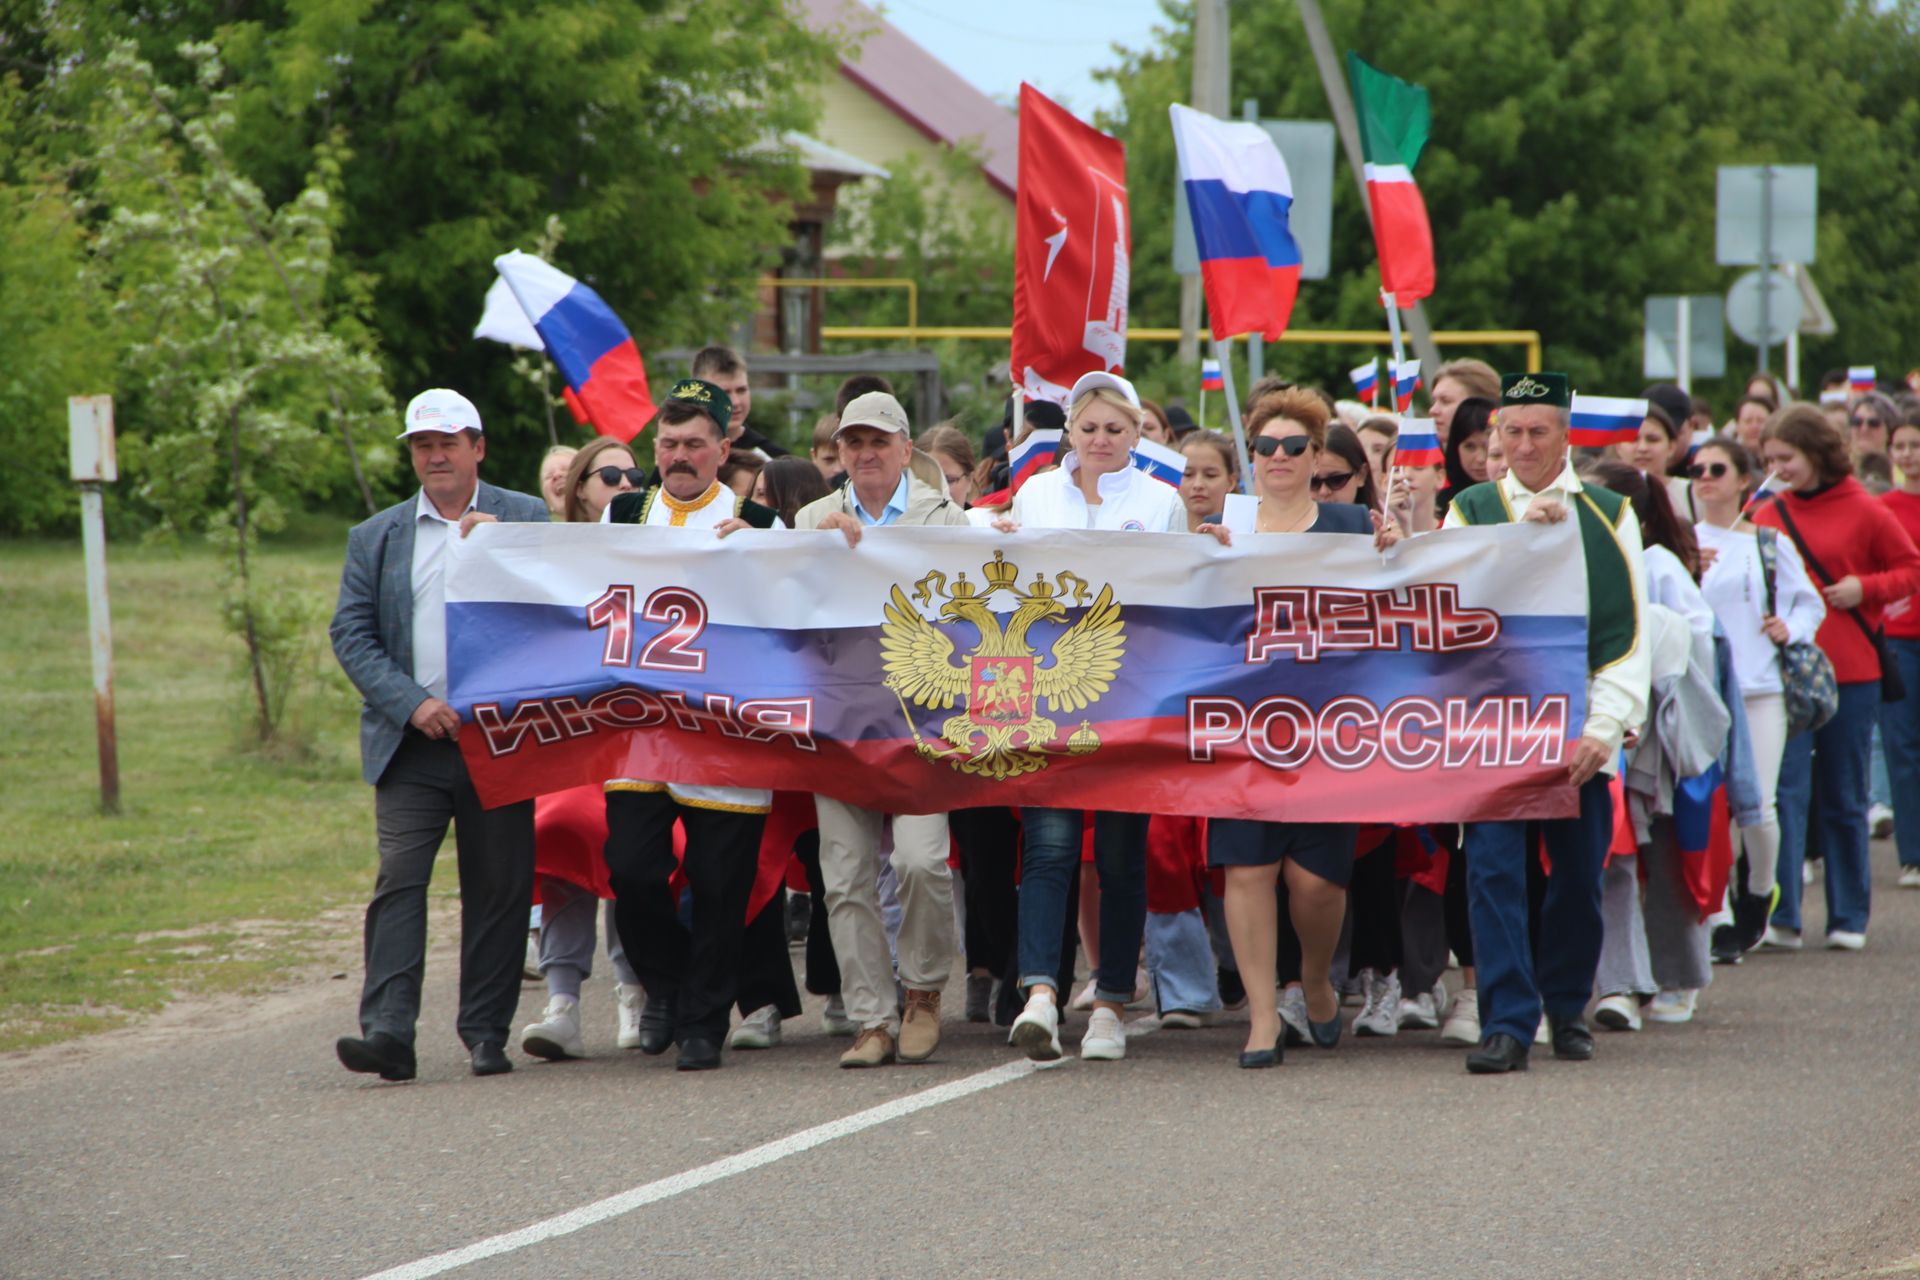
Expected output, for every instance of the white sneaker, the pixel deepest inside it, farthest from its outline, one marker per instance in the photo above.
(557, 1035)
(758, 1030)
(629, 997)
(1381, 1015)
(1910, 877)
(1106, 1038)
(1463, 1019)
(1618, 1013)
(1293, 1015)
(1846, 940)
(530, 966)
(1779, 939)
(1184, 1020)
(1879, 821)
(1540, 1033)
(1084, 1000)
(1036, 1032)
(1422, 1012)
(834, 1020)
(1673, 1006)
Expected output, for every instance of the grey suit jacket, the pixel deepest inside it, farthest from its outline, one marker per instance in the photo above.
(373, 623)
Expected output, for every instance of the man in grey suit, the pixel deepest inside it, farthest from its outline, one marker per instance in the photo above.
(389, 633)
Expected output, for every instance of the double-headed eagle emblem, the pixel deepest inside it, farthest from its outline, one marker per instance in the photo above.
(998, 732)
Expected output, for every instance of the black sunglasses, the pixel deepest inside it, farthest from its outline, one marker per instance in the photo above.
(1338, 480)
(610, 477)
(1871, 424)
(1701, 470)
(1292, 446)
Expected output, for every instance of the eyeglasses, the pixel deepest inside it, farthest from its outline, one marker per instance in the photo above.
(610, 477)
(1292, 446)
(1866, 424)
(1702, 470)
(1337, 480)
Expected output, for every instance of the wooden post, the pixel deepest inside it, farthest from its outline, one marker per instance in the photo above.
(91, 459)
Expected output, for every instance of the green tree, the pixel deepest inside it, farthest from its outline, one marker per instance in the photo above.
(1571, 167)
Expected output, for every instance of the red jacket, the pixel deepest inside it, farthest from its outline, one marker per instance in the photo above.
(1903, 616)
(1851, 533)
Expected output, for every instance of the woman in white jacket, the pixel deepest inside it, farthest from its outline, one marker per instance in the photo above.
(1095, 487)
(1736, 586)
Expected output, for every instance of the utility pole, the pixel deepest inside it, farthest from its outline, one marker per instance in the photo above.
(1333, 79)
(1212, 72)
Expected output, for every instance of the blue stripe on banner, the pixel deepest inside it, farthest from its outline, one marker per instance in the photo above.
(1170, 652)
(1230, 225)
(578, 330)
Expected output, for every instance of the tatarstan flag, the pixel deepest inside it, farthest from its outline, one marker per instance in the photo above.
(1393, 128)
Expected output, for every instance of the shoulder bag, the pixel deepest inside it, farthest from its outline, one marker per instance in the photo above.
(1892, 687)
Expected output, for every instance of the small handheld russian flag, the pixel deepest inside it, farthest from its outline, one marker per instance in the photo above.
(1418, 444)
(1406, 380)
(1039, 449)
(1210, 379)
(1605, 420)
(1860, 379)
(1160, 461)
(1366, 380)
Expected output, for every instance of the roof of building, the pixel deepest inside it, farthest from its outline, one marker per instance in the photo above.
(921, 89)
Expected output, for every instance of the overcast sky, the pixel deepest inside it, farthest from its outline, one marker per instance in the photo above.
(1055, 45)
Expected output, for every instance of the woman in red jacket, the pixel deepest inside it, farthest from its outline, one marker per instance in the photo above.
(1900, 721)
(1862, 560)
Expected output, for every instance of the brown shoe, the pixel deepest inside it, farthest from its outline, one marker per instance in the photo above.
(874, 1048)
(920, 1026)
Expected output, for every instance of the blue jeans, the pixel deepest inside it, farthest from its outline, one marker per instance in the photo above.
(1049, 859)
(1511, 996)
(1834, 760)
(1180, 960)
(1900, 734)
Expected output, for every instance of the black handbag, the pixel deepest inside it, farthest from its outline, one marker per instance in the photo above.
(1892, 687)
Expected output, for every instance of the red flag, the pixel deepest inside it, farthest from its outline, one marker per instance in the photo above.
(1071, 249)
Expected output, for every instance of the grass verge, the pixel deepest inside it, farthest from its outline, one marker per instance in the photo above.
(211, 877)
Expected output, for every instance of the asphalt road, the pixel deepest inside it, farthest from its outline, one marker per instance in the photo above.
(1777, 1135)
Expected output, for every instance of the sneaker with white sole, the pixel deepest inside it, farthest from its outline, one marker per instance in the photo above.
(1673, 1006)
(1036, 1032)
(1619, 1012)
(629, 997)
(1294, 1023)
(1879, 821)
(530, 965)
(1422, 1012)
(557, 1035)
(1184, 1020)
(1462, 1024)
(1381, 1014)
(1910, 877)
(758, 1030)
(1106, 1038)
(1084, 1000)
(1846, 940)
(834, 1020)
(1781, 939)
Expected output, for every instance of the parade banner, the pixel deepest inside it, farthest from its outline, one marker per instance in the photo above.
(1301, 677)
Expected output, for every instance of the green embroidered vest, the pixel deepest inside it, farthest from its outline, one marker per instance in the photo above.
(1613, 619)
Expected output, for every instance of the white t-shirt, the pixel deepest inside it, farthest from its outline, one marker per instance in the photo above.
(1735, 587)
(1129, 499)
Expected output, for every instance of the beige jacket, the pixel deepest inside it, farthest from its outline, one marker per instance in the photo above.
(925, 506)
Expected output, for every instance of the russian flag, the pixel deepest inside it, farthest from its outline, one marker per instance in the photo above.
(1406, 380)
(1210, 379)
(606, 379)
(1024, 461)
(1239, 193)
(1605, 420)
(1418, 444)
(1860, 378)
(1366, 380)
(1160, 461)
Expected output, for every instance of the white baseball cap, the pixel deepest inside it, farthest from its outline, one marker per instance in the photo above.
(438, 409)
(1097, 380)
(875, 409)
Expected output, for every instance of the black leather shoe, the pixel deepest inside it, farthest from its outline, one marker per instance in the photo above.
(656, 1026)
(1500, 1054)
(1254, 1059)
(697, 1053)
(379, 1054)
(490, 1059)
(1571, 1039)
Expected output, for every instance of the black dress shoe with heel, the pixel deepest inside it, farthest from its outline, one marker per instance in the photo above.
(1500, 1054)
(490, 1059)
(698, 1053)
(1572, 1041)
(379, 1054)
(1254, 1059)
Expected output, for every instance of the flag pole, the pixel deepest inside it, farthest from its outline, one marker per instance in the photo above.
(1393, 390)
(1222, 352)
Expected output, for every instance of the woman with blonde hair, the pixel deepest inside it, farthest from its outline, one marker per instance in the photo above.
(598, 471)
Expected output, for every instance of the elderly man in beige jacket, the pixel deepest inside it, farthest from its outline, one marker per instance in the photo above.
(876, 451)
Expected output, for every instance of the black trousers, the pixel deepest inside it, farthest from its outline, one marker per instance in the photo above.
(695, 970)
(823, 966)
(989, 841)
(766, 966)
(423, 790)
